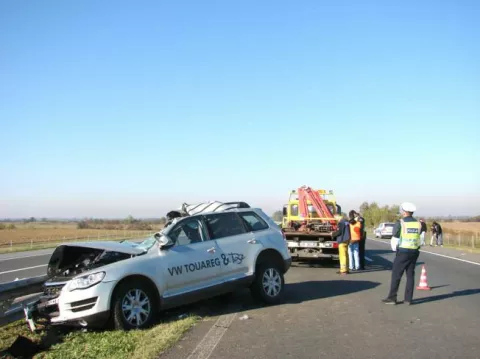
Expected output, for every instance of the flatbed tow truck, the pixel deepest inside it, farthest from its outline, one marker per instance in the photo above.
(309, 220)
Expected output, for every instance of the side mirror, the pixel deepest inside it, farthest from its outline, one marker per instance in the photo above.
(163, 240)
(284, 211)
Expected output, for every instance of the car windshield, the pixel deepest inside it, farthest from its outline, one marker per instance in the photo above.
(389, 224)
(146, 244)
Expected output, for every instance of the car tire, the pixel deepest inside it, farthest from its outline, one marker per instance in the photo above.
(138, 294)
(272, 291)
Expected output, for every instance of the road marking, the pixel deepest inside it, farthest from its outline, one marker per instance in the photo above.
(205, 348)
(35, 255)
(368, 259)
(435, 254)
(18, 270)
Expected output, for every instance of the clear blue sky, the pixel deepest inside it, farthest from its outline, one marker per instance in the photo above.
(111, 108)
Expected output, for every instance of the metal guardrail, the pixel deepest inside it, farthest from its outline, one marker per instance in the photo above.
(14, 296)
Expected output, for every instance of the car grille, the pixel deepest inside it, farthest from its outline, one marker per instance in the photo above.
(53, 290)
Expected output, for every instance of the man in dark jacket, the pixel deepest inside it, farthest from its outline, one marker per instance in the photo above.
(439, 232)
(342, 235)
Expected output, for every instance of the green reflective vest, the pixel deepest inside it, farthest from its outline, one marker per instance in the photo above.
(410, 234)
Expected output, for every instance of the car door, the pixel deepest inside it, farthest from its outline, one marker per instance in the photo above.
(193, 262)
(238, 246)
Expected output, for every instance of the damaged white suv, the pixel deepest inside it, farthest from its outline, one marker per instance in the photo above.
(194, 258)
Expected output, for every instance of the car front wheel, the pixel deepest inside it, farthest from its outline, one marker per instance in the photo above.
(134, 305)
(269, 284)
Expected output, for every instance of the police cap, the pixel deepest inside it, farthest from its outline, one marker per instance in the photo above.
(408, 207)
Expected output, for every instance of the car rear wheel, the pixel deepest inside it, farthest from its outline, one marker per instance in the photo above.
(134, 305)
(269, 284)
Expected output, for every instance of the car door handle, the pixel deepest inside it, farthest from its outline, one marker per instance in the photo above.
(252, 241)
(211, 250)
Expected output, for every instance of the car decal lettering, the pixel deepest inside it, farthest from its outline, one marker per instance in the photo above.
(177, 270)
(235, 258)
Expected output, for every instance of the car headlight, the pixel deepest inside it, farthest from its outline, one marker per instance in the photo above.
(86, 281)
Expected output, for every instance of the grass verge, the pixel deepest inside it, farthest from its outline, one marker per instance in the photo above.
(133, 344)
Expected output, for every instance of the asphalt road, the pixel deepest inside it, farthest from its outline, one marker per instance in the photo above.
(325, 315)
(23, 264)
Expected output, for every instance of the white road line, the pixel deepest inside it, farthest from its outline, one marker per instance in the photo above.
(368, 259)
(436, 254)
(205, 348)
(35, 255)
(18, 270)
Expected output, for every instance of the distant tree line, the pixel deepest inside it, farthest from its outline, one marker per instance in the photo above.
(375, 214)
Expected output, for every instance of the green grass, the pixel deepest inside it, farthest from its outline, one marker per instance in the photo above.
(135, 344)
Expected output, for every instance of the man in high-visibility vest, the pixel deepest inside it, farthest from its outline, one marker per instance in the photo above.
(361, 244)
(353, 247)
(406, 242)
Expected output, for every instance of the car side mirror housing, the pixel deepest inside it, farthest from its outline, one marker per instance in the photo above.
(163, 241)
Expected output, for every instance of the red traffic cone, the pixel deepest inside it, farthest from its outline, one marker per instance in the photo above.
(423, 280)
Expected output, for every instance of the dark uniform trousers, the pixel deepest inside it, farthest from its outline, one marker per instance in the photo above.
(361, 250)
(404, 261)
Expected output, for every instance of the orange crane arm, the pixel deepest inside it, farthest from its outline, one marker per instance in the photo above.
(305, 193)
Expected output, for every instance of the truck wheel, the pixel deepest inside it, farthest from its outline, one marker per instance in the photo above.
(269, 284)
(133, 305)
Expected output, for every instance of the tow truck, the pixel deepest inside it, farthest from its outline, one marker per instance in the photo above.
(309, 220)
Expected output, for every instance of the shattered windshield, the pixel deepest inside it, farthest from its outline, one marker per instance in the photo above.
(145, 245)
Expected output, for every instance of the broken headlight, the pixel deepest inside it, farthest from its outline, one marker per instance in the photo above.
(86, 281)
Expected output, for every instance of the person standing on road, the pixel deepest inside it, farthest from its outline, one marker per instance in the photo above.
(342, 235)
(423, 231)
(353, 247)
(361, 244)
(407, 231)
(439, 232)
(434, 233)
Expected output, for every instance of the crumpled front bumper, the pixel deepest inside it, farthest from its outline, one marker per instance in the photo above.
(84, 307)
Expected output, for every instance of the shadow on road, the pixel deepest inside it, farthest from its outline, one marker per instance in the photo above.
(457, 293)
(295, 293)
(305, 291)
(373, 252)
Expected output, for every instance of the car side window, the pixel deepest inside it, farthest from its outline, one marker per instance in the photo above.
(224, 225)
(253, 222)
(187, 232)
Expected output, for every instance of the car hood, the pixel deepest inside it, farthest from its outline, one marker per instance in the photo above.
(71, 259)
(127, 248)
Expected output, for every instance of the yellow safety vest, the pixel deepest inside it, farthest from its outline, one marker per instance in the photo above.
(410, 234)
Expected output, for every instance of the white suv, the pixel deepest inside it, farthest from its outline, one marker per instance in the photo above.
(194, 258)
